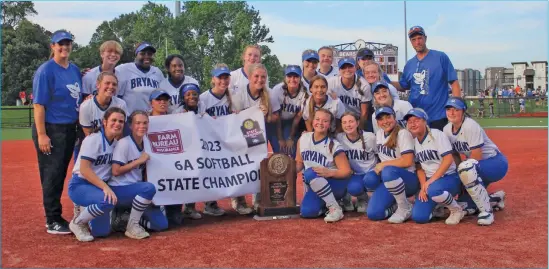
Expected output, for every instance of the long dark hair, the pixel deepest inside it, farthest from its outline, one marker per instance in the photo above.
(107, 115)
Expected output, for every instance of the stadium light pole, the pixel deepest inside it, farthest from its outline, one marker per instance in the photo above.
(405, 36)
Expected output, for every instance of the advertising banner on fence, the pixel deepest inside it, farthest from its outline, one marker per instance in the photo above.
(195, 159)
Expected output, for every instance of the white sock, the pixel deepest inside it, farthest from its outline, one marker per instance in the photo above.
(397, 189)
(139, 205)
(89, 213)
(447, 199)
(321, 187)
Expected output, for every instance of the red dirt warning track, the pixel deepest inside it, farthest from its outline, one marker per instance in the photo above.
(517, 239)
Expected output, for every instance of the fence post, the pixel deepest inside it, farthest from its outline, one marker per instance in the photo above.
(30, 114)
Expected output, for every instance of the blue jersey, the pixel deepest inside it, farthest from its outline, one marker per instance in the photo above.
(58, 90)
(428, 81)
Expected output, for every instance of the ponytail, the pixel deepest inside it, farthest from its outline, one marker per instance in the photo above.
(358, 85)
(393, 137)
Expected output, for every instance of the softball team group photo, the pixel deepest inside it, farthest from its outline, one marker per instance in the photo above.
(358, 145)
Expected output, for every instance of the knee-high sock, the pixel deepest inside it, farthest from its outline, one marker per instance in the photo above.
(397, 189)
(447, 199)
(90, 212)
(139, 205)
(321, 187)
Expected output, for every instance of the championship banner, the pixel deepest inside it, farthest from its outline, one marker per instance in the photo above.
(195, 159)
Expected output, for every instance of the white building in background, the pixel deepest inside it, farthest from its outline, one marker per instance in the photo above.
(519, 74)
(540, 74)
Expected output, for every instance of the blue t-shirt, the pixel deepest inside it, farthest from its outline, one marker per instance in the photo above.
(58, 90)
(428, 81)
(384, 75)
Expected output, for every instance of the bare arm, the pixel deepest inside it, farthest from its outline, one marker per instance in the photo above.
(44, 142)
(476, 154)
(87, 131)
(456, 91)
(363, 115)
(298, 160)
(397, 86)
(343, 167)
(444, 165)
(118, 169)
(404, 161)
(421, 174)
(457, 157)
(90, 176)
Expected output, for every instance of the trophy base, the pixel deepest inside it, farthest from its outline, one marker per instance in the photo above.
(278, 213)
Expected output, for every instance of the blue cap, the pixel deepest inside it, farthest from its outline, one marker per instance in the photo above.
(221, 71)
(384, 110)
(60, 35)
(143, 46)
(415, 30)
(346, 60)
(292, 69)
(189, 87)
(157, 93)
(456, 103)
(416, 112)
(310, 56)
(379, 84)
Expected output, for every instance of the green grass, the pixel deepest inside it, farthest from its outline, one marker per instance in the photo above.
(16, 116)
(15, 134)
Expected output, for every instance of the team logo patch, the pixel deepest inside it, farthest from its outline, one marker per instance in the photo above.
(167, 142)
(252, 132)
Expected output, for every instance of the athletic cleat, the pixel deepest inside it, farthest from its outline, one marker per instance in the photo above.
(190, 212)
(119, 219)
(240, 206)
(362, 203)
(485, 218)
(456, 215)
(81, 231)
(57, 227)
(334, 214)
(497, 200)
(401, 215)
(135, 231)
(213, 209)
(347, 203)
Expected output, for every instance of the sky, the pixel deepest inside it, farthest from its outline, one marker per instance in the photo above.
(474, 34)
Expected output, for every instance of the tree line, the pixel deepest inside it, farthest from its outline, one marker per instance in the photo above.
(205, 33)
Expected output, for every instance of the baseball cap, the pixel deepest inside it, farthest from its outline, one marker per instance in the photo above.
(144, 45)
(346, 60)
(60, 35)
(221, 71)
(313, 55)
(415, 30)
(456, 103)
(189, 87)
(384, 110)
(364, 52)
(416, 112)
(292, 69)
(157, 93)
(379, 84)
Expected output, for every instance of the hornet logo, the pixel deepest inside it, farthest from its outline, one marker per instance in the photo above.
(75, 92)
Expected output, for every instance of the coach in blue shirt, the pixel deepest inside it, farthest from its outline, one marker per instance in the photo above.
(427, 76)
(56, 91)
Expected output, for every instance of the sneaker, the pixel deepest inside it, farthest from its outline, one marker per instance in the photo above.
(401, 215)
(485, 218)
(256, 200)
(81, 231)
(240, 206)
(190, 212)
(58, 227)
(497, 200)
(456, 215)
(347, 203)
(135, 231)
(470, 210)
(362, 203)
(334, 214)
(119, 219)
(213, 209)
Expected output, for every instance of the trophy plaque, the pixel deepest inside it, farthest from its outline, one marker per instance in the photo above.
(278, 188)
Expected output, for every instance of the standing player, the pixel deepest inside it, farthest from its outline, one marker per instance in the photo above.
(383, 97)
(360, 148)
(310, 61)
(326, 68)
(291, 95)
(436, 170)
(484, 165)
(365, 57)
(88, 187)
(427, 76)
(92, 110)
(128, 182)
(395, 148)
(110, 52)
(352, 90)
(239, 77)
(139, 79)
(256, 94)
(56, 89)
(320, 99)
(326, 169)
(176, 78)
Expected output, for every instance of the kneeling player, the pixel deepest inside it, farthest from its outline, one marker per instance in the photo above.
(327, 169)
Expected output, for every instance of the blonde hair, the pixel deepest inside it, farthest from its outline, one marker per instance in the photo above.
(331, 133)
(393, 136)
(104, 74)
(358, 129)
(257, 47)
(311, 107)
(227, 91)
(326, 48)
(379, 70)
(264, 93)
(111, 44)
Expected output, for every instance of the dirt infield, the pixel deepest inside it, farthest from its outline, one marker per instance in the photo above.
(517, 239)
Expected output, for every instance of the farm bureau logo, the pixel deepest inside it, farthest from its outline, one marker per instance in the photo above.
(167, 142)
(252, 132)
